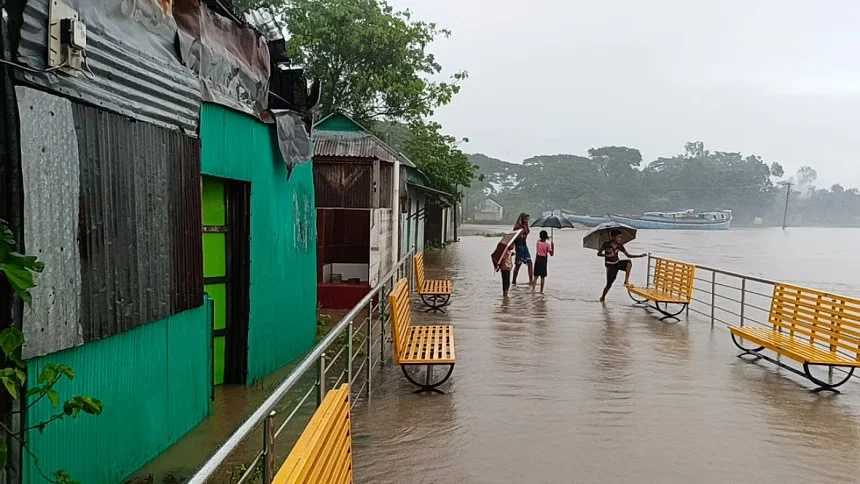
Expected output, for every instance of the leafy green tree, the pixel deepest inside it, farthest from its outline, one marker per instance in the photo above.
(373, 60)
(437, 155)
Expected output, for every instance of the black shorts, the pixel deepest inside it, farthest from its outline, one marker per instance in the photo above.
(506, 279)
(613, 269)
(540, 266)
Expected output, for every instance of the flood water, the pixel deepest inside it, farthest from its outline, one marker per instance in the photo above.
(560, 388)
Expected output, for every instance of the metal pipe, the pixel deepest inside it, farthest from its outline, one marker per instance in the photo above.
(269, 448)
(321, 383)
(382, 301)
(648, 272)
(211, 465)
(369, 352)
(349, 354)
(743, 298)
(713, 295)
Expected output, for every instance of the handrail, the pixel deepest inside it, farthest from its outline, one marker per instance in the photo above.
(212, 464)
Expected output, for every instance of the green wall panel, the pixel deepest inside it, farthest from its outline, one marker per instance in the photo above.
(155, 384)
(214, 210)
(214, 255)
(283, 294)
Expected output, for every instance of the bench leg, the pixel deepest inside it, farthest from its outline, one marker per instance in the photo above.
(637, 301)
(435, 302)
(823, 385)
(428, 385)
(667, 314)
(746, 351)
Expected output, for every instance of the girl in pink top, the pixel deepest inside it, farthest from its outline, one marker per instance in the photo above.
(544, 251)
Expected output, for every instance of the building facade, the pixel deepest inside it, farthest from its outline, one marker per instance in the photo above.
(178, 234)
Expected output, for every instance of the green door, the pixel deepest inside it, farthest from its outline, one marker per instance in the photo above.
(215, 263)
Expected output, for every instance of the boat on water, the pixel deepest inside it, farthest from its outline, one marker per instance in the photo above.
(685, 220)
(587, 220)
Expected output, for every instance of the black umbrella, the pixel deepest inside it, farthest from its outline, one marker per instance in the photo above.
(596, 237)
(553, 220)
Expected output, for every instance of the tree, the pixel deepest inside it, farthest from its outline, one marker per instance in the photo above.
(373, 61)
(776, 170)
(438, 156)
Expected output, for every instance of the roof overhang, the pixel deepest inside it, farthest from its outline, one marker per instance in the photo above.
(438, 195)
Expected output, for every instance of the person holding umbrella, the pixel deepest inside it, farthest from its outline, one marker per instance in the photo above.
(609, 251)
(609, 239)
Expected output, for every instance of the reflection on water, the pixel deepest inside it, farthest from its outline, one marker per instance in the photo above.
(559, 388)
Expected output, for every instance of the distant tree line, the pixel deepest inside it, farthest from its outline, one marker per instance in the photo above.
(613, 179)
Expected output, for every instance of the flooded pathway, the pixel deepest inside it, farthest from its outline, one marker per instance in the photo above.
(559, 388)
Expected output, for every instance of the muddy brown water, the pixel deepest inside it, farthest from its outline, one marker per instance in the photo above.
(560, 388)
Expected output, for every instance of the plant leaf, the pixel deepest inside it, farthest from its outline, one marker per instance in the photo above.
(53, 397)
(10, 386)
(11, 339)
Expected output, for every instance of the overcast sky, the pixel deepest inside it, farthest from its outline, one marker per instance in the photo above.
(778, 78)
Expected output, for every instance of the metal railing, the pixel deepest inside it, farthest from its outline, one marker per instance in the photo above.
(344, 346)
(726, 297)
(732, 299)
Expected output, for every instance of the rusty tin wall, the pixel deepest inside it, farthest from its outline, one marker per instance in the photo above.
(140, 218)
(343, 184)
(130, 49)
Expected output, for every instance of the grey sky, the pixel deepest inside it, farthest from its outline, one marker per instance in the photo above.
(778, 78)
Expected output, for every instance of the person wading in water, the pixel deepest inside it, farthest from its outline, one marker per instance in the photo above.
(522, 248)
(609, 251)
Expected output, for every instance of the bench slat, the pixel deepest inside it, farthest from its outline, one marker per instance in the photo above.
(417, 345)
(429, 287)
(792, 347)
(323, 453)
(672, 283)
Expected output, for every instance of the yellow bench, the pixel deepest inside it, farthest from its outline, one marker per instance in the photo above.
(811, 327)
(435, 294)
(419, 345)
(672, 284)
(323, 453)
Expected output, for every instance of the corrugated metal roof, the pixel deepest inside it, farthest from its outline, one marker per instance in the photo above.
(136, 74)
(355, 144)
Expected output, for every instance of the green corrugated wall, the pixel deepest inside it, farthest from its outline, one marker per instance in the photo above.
(155, 383)
(283, 288)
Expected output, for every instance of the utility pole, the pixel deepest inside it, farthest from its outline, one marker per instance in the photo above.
(785, 212)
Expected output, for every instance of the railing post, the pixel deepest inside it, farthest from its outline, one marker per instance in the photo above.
(382, 301)
(269, 448)
(369, 351)
(743, 298)
(648, 272)
(713, 295)
(349, 354)
(321, 385)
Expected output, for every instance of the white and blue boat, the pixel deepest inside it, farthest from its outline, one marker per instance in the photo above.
(685, 220)
(587, 220)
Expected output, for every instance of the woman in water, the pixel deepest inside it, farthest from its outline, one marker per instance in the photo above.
(522, 248)
(543, 251)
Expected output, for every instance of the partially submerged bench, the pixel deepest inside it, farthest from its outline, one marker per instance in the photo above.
(672, 285)
(435, 294)
(323, 453)
(416, 346)
(811, 327)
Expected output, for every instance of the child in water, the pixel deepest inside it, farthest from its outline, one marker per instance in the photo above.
(505, 266)
(544, 251)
